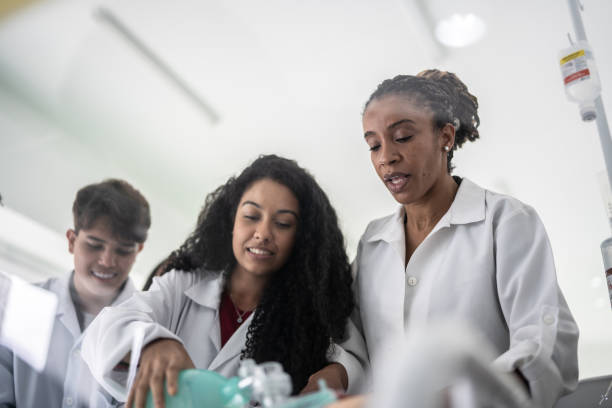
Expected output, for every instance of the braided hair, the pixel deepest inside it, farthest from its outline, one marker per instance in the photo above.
(306, 304)
(447, 97)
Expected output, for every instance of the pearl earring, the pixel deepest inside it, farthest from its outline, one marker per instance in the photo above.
(446, 148)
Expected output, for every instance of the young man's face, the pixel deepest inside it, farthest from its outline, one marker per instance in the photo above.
(102, 261)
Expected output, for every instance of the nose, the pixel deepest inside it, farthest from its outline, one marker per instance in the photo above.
(107, 259)
(387, 154)
(263, 232)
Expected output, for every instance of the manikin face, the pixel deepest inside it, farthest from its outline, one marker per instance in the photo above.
(406, 151)
(264, 228)
(102, 261)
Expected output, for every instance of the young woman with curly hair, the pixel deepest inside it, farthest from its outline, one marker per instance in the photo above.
(264, 275)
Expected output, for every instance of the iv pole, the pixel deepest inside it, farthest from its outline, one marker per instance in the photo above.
(602, 121)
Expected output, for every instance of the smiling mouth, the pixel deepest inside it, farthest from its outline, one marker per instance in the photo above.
(104, 276)
(260, 251)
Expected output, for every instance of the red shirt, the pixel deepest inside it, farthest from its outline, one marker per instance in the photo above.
(229, 316)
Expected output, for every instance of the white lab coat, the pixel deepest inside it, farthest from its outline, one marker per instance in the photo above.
(488, 263)
(181, 306)
(65, 380)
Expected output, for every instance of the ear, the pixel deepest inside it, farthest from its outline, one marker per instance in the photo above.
(71, 236)
(140, 246)
(447, 136)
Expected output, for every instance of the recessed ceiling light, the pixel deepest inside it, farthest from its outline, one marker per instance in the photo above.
(460, 30)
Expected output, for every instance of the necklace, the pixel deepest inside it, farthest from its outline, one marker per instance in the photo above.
(238, 313)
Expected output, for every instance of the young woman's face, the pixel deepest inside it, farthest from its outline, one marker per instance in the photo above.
(407, 153)
(102, 261)
(265, 227)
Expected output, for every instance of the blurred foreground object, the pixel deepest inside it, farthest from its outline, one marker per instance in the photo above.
(27, 314)
(445, 364)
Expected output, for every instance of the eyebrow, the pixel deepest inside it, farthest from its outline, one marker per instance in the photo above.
(278, 212)
(391, 126)
(287, 212)
(252, 203)
(95, 239)
(100, 240)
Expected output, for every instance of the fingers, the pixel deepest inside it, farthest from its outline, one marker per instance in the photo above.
(138, 382)
(146, 380)
(139, 392)
(130, 400)
(161, 362)
(172, 379)
(157, 389)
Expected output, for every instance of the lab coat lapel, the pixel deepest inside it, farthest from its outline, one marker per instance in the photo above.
(467, 207)
(126, 293)
(392, 232)
(214, 334)
(65, 308)
(469, 204)
(208, 294)
(234, 345)
(389, 280)
(66, 312)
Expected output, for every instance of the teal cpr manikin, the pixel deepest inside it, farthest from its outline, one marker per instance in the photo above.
(266, 384)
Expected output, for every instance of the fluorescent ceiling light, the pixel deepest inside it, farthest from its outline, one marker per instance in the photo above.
(110, 18)
(460, 30)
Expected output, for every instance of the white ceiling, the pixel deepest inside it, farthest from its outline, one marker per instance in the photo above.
(78, 103)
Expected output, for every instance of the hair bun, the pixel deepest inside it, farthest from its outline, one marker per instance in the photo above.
(465, 104)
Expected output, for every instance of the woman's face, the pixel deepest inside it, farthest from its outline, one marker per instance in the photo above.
(407, 153)
(264, 228)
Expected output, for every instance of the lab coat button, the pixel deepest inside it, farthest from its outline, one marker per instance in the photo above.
(69, 401)
(412, 281)
(548, 319)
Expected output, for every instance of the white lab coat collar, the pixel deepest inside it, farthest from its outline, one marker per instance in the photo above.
(467, 207)
(207, 293)
(66, 312)
(469, 204)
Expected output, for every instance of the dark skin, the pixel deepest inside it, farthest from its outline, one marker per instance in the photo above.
(409, 155)
(335, 377)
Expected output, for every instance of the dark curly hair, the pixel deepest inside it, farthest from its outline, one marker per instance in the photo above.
(127, 210)
(445, 94)
(306, 304)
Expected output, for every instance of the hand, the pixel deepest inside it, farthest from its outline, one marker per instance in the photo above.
(357, 401)
(334, 375)
(160, 360)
